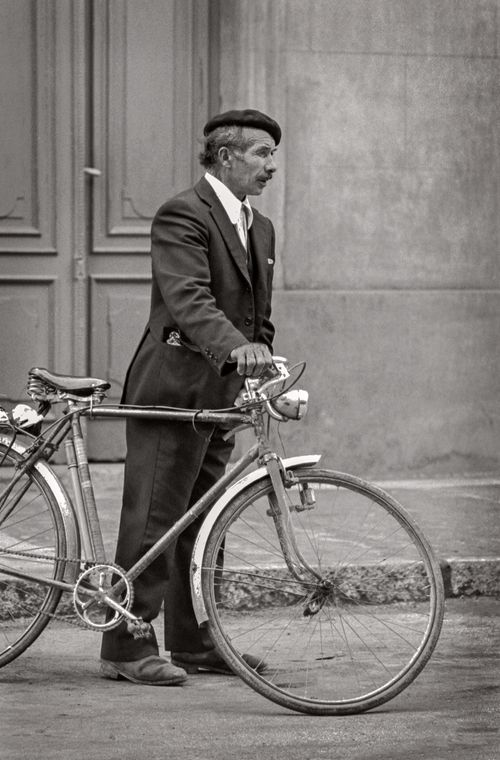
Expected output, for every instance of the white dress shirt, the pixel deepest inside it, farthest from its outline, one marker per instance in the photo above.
(239, 212)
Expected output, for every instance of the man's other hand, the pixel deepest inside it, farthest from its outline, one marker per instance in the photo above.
(252, 359)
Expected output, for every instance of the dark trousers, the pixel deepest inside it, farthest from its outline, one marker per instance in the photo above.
(167, 468)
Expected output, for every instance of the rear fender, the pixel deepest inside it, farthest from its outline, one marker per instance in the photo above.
(64, 503)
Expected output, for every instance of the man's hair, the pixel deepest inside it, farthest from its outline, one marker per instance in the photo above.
(229, 137)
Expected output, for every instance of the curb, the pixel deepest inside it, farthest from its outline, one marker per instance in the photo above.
(462, 578)
(385, 584)
(471, 577)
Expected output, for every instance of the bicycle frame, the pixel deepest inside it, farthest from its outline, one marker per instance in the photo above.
(312, 557)
(69, 428)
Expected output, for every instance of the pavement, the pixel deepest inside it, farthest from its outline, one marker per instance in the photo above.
(460, 517)
(54, 704)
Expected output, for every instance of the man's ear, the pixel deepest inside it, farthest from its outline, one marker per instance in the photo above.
(224, 156)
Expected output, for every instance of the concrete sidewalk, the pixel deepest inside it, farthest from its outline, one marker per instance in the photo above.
(56, 707)
(459, 516)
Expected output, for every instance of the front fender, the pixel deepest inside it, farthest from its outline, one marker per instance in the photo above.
(200, 611)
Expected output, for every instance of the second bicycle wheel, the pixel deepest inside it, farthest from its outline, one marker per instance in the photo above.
(350, 635)
(33, 541)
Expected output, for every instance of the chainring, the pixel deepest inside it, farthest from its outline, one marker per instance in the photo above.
(91, 588)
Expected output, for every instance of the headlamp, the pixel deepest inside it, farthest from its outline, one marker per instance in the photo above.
(291, 405)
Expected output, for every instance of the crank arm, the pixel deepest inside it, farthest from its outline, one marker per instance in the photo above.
(135, 625)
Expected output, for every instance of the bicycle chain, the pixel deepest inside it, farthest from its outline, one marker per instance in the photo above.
(49, 557)
(71, 618)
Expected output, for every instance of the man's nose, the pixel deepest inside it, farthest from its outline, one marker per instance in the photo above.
(271, 164)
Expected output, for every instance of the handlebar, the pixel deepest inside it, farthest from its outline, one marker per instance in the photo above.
(270, 389)
(281, 403)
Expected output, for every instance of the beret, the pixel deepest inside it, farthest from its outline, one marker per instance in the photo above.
(246, 118)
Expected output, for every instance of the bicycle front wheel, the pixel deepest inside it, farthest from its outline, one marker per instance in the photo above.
(33, 541)
(361, 623)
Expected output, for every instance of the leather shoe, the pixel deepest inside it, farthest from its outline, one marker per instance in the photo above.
(211, 662)
(151, 671)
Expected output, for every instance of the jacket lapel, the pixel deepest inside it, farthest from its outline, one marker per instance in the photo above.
(226, 229)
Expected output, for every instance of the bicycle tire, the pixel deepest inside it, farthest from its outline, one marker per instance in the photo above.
(34, 538)
(335, 649)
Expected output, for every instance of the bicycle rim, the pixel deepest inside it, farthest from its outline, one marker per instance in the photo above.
(32, 538)
(344, 642)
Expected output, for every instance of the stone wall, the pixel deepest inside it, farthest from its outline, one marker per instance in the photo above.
(386, 207)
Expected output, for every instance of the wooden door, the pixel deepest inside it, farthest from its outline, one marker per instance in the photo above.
(101, 102)
(42, 154)
(150, 101)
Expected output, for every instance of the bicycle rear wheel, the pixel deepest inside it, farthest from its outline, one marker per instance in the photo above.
(33, 540)
(347, 640)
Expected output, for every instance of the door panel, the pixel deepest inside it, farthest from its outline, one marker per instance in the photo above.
(149, 104)
(27, 41)
(40, 105)
(101, 102)
(145, 119)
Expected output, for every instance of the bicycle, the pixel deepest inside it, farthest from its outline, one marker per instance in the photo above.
(322, 575)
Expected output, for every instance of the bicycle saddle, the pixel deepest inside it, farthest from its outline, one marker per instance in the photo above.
(80, 386)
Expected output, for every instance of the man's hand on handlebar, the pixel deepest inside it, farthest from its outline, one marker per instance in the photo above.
(252, 359)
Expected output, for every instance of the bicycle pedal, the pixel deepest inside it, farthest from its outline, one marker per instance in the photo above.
(139, 629)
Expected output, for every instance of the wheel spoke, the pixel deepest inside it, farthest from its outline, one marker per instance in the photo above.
(345, 643)
(31, 524)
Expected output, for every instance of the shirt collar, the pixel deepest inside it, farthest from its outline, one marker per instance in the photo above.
(232, 205)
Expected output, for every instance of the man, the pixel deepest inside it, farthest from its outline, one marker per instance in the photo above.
(209, 328)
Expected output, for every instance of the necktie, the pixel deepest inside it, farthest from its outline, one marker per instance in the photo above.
(241, 226)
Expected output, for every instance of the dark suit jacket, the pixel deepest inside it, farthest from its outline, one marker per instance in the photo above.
(202, 288)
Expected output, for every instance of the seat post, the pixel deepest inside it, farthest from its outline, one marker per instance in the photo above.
(86, 490)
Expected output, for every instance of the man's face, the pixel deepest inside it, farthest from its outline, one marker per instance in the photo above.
(248, 173)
